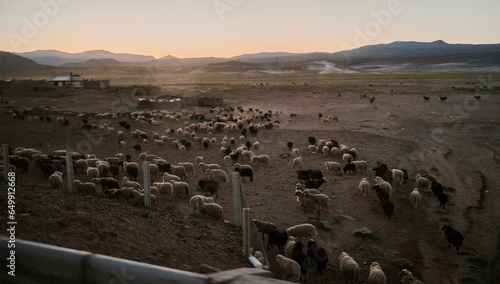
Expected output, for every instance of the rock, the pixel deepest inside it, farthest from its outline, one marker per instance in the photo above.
(349, 218)
(340, 212)
(363, 232)
(324, 225)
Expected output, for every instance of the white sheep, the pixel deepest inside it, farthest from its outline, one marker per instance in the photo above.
(85, 187)
(123, 144)
(92, 172)
(290, 243)
(80, 164)
(422, 182)
(361, 165)
(349, 267)
(158, 142)
(189, 167)
(153, 170)
(217, 175)
(335, 151)
(343, 149)
(180, 189)
(347, 158)
(297, 162)
(376, 276)
(196, 200)
(127, 183)
(290, 267)
(364, 186)
(56, 181)
(139, 198)
(262, 159)
(307, 231)
(238, 165)
(386, 186)
(415, 197)
(295, 152)
(179, 171)
(165, 189)
(397, 176)
(325, 150)
(198, 160)
(322, 199)
(312, 148)
(168, 177)
(103, 168)
(256, 145)
(334, 167)
(204, 167)
(211, 210)
(227, 160)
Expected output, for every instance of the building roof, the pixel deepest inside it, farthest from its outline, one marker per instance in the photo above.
(66, 79)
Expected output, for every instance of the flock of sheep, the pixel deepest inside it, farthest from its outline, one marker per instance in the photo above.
(104, 173)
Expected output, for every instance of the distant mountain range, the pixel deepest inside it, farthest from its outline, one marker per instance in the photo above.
(393, 57)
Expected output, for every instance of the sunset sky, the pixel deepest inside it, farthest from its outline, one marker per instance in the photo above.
(224, 28)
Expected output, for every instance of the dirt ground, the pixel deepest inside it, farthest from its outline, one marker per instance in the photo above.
(454, 141)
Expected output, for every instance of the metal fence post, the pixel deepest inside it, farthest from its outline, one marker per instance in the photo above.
(246, 232)
(5, 149)
(236, 199)
(147, 184)
(69, 170)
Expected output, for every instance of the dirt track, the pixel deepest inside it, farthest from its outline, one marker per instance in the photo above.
(395, 129)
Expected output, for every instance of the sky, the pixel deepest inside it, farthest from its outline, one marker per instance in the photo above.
(225, 28)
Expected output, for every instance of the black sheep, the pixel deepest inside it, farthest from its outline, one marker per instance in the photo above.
(206, 144)
(381, 194)
(137, 148)
(245, 173)
(454, 237)
(443, 199)
(128, 158)
(300, 257)
(315, 174)
(20, 163)
(248, 144)
(115, 171)
(314, 183)
(277, 238)
(109, 183)
(209, 187)
(46, 169)
(317, 256)
(311, 140)
(289, 145)
(437, 188)
(354, 154)
(388, 207)
(335, 144)
(188, 145)
(350, 168)
(234, 156)
(227, 151)
(302, 175)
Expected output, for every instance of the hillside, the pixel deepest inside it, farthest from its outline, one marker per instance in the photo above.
(393, 57)
(14, 64)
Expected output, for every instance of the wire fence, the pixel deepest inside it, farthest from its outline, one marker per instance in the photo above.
(251, 240)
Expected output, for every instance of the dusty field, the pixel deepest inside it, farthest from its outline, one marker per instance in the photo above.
(455, 141)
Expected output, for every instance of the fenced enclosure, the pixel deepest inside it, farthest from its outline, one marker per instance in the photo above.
(243, 218)
(242, 214)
